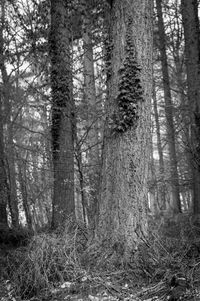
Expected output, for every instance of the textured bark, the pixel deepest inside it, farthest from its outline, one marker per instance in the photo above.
(161, 184)
(62, 114)
(176, 204)
(192, 51)
(123, 201)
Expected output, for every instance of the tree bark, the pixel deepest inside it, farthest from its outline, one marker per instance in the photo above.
(192, 51)
(62, 114)
(176, 203)
(123, 201)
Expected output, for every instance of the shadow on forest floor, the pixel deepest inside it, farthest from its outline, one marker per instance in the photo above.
(61, 266)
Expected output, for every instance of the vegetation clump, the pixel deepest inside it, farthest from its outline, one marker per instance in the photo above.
(130, 89)
(56, 265)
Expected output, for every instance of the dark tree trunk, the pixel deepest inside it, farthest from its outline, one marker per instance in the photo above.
(192, 51)
(62, 114)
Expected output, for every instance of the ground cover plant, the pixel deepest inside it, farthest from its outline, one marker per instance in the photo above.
(59, 266)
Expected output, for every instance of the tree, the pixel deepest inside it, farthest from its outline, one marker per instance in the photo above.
(8, 173)
(123, 200)
(192, 61)
(161, 184)
(62, 114)
(3, 178)
(93, 154)
(176, 204)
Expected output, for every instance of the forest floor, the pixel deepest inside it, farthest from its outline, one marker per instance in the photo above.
(52, 266)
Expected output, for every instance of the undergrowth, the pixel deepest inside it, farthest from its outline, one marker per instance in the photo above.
(171, 251)
(49, 259)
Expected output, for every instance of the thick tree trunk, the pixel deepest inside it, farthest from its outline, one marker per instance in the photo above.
(176, 203)
(123, 201)
(192, 50)
(62, 115)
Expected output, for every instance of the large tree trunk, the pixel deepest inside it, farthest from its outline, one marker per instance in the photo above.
(62, 114)
(192, 50)
(123, 201)
(176, 203)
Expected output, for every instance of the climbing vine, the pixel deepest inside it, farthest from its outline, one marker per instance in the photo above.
(130, 89)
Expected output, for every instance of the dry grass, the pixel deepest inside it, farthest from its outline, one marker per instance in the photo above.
(48, 260)
(172, 251)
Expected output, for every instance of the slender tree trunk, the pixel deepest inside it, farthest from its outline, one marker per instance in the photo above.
(176, 206)
(82, 185)
(92, 118)
(3, 178)
(161, 184)
(6, 173)
(11, 170)
(62, 114)
(154, 203)
(24, 194)
(185, 169)
(123, 201)
(192, 50)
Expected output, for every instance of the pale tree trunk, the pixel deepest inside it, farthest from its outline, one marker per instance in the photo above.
(176, 203)
(123, 201)
(153, 188)
(192, 50)
(10, 156)
(24, 194)
(3, 178)
(62, 115)
(93, 156)
(161, 184)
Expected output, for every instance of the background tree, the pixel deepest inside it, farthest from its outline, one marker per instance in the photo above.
(176, 204)
(192, 61)
(62, 114)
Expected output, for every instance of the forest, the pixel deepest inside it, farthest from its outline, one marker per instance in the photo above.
(99, 150)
